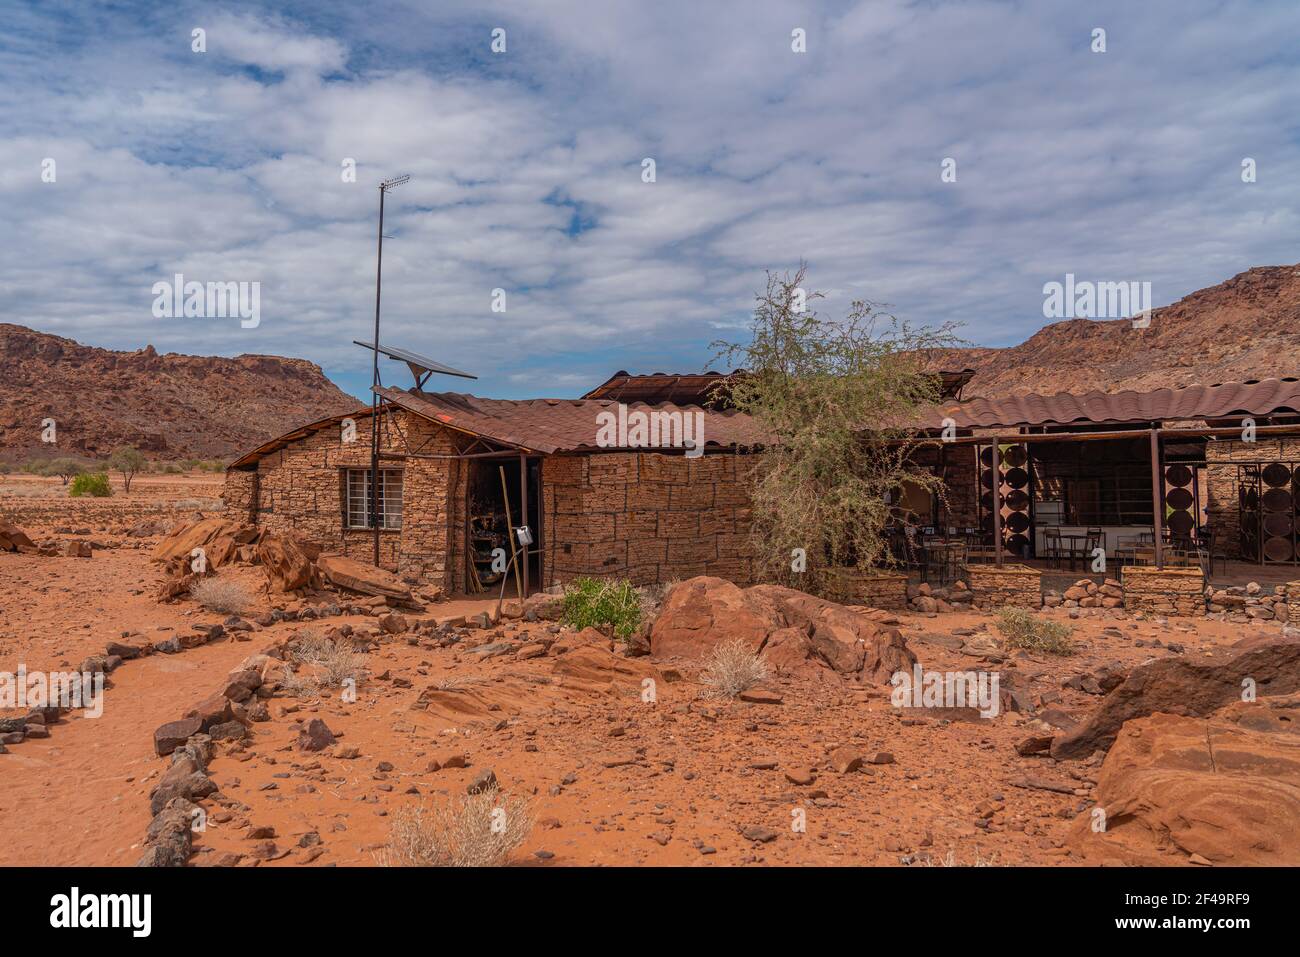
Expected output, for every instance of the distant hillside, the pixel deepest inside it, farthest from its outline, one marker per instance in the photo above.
(168, 406)
(1245, 328)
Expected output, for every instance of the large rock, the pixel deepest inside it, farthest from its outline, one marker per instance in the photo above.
(14, 539)
(1225, 788)
(593, 666)
(1182, 687)
(287, 566)
(187, 536)
(792, 628)
(699, 613)
(173, 734)
(366, 579)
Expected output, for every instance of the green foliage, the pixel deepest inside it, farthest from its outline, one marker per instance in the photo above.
(93, 484)
(593, 603)
(839, 402)
(127, 460)
(1022, 629)
(65, 469)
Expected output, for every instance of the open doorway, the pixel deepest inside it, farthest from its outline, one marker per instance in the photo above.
(497, 504)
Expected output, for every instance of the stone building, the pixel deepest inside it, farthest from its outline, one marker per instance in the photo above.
(616, 484)
(457, 472)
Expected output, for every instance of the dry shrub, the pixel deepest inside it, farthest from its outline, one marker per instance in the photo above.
(329, 663)
(1022, 629)
(733, 668)
(224, 595)
(474, 830)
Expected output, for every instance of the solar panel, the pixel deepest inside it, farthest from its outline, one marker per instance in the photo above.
(418, 363)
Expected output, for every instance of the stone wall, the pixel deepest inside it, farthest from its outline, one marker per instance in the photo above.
(1017, 586)
(1293, 604)
(239, 495)
(1163, 591)
(646, 517)
(1221, 460)
(874, 587)
(300, 489)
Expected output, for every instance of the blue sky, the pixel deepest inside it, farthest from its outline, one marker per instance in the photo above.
(226, 165)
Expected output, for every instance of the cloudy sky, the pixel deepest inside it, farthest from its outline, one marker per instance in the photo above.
(527, 166)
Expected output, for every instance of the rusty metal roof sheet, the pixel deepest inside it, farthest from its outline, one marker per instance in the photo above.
(689, 389)
(1223, 400)
(555, 425)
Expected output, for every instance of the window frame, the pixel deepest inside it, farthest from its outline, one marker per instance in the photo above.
(356, 482)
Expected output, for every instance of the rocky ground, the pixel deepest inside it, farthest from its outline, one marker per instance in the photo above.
(820, 768)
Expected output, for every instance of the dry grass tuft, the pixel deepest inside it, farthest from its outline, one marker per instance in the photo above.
(475, 830)
(1022, 629)
(224, 595)
(733, 668)
(325, 663)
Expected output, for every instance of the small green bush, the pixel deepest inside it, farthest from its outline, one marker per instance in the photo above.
(1020, 629)
(593, 603)
(94, 484)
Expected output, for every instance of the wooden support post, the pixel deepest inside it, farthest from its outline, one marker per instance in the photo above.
(997, 503)
(523, 516)
(1157, 500)
(510, 532)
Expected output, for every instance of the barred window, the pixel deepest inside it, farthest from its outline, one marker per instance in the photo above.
(357, 511)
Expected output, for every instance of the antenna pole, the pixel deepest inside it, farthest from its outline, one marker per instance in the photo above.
(374, 396)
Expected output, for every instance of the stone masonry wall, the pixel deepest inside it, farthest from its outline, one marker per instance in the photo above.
(1011, 586)
(1164, 591)
(1221, 460)
(873, 587)
(646, 517)
(239, 496)
(300, 489)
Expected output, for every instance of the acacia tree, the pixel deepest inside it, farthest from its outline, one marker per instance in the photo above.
(65, 469)
(127, 460)
(839, 402)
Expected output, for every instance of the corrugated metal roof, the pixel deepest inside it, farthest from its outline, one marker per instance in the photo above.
(690, 389)
(555, 425)
(1224, 400)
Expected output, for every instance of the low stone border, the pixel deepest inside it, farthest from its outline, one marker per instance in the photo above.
(1017, 586)
(1164, 591)
(190, 742)
(874, 587)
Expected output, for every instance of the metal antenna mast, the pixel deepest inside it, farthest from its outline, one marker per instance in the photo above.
(384, 187)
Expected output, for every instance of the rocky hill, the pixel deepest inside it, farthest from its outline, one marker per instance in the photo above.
(168, 406)
(1245, 328)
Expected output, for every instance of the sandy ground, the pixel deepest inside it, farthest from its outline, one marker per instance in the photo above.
(682, 788)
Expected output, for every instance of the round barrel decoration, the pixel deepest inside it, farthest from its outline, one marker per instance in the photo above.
(1277, 500)
(1015, 456)
(1278, 524)
(1278, 519)
(1181, 523)
(1276, 475)
(1279, 550)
